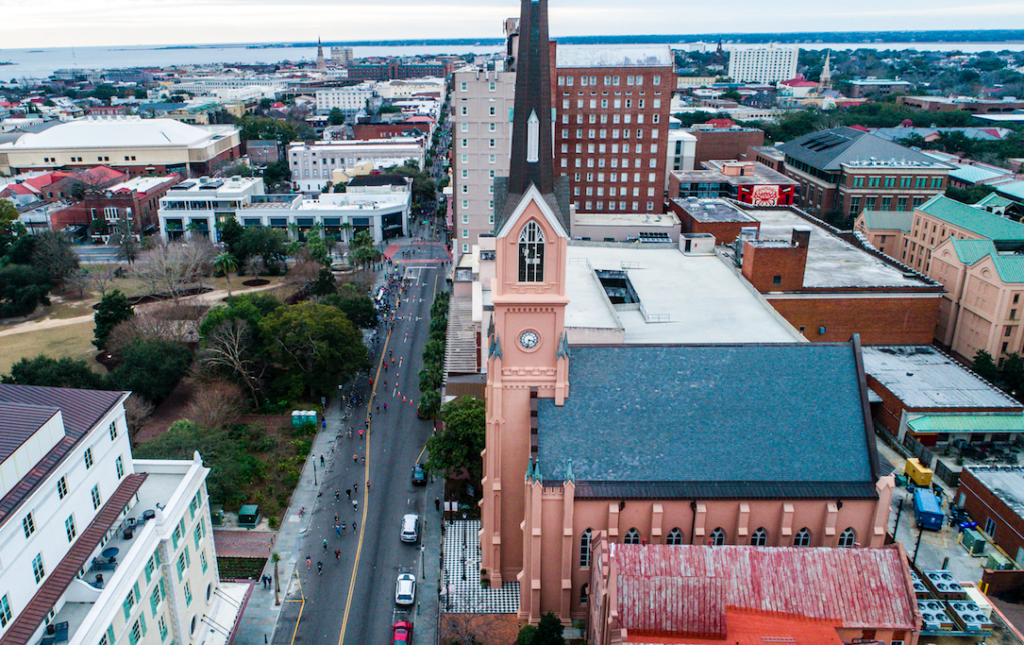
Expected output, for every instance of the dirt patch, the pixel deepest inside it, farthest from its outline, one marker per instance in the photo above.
(171, 410)
(255, 283)
(161, 297)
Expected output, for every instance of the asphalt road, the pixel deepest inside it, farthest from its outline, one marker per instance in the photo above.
(352, 602)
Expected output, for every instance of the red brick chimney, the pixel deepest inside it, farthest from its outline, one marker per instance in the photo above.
(777, 265)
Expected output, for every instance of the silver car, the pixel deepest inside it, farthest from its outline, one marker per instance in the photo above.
(410, 528)
(405, 589)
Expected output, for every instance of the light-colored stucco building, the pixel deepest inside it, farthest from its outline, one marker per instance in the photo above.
(126, 143)
(313, 165)
(769, 64)
(350, 99)
(481, 129)
(124, 546)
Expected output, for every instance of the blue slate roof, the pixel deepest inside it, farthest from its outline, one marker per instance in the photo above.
(711, 421)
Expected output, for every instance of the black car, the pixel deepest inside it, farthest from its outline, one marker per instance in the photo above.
(419, 477)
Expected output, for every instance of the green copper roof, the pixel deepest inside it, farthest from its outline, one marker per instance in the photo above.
(965, 423)
(994, 199)
(970, 251)
(972, 219)
(1010, 267)
(889, 220)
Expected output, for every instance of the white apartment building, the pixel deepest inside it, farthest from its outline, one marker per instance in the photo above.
(98, 548)
(399, 89)
(682, 149)
(769, 64)
(313, 165)
(482, 104)
(268, 87)
(382, 210)
(349, 100)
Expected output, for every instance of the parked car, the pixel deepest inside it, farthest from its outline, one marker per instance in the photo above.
(401, 633)
(419, 476)
(405, 589)
(410, 528)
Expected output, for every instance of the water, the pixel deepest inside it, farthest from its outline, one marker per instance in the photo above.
(41, 63)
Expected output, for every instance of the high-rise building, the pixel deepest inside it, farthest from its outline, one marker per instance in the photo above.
(611, 132)
(481, 104)
(341, 56)
(769, 64)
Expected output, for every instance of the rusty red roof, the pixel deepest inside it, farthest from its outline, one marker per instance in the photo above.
(60, 578)
(685, 590)
(746, 627)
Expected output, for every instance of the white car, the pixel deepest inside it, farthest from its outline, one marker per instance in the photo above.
(410, 528)
(405, 589)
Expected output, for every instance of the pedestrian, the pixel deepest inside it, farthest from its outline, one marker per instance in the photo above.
(335, 519)
(337, 529)
(337, 554)
(325, 545)
(319, 568)
(364, 460)
(371, 381)
(385, 406)
(353, 526)
(325, 424)
(437, 503)
(348, 493)
(355, 458)
(270, 581)
(337, 498)
(322, 457)
(378, 410)
(355, 487)
(307, 563)
(367, 485)
(355, 505)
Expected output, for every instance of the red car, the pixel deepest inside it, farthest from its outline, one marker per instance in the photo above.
(401, 633)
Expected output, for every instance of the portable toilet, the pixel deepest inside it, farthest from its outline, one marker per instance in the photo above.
(296, 418)
(974, 542)
(918, 473)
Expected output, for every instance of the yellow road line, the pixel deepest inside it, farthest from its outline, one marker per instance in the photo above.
(366, 494)
(301, 608)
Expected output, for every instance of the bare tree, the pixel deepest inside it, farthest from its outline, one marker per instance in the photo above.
(78, 282)
(230, 349)
(125, 240)
(165, 320)
(477, 629)
(136, 411)
(215, 404)
(173, 269)
(102, 277)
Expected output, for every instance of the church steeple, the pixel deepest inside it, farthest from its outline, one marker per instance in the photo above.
(826, 73)
(321, 64)
(532, 158)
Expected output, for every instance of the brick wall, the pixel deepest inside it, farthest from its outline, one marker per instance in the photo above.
(724, 144)
(724, 232)
(981, 504)
(885, 320)
(775, 268)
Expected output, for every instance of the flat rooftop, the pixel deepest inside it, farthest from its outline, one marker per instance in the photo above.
(923, 377)
(712, 210)
(695, 298)
(1005, 482)
(657, 220)
(832, 261)
(613, 56)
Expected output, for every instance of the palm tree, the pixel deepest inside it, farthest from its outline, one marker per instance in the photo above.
(345, 228)
(276, 557)
(226, 263)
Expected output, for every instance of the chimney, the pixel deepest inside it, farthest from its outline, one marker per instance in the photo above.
(802, 237)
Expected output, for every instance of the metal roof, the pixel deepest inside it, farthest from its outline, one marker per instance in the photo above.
(994, 199)
(889, 220)
(686, 589)
(973, 219)
(80, 410)
(922, 377)
(970, 251)
(731, 403)
(19, 422)
(613, 56)
(975, 174)
(56, 584)
(830, 149)
(121, 132)
(967, 423)
(1014, 189)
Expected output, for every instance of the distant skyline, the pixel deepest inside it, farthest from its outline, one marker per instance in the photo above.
(82, 23)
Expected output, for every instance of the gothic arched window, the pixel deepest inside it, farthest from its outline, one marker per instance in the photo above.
(531, 253)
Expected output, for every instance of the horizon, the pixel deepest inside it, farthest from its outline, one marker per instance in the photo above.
(194, 23)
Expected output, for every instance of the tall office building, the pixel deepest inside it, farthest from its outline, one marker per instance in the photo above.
(341, 56)
(611, 129)
(769, 64)
(481, 105)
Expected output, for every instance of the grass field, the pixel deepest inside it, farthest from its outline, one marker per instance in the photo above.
(73, 341)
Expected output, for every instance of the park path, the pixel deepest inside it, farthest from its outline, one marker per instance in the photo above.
(210, 297)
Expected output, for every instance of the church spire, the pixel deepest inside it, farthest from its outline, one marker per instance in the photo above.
(321, 64)
(826, 73)
(532, 159)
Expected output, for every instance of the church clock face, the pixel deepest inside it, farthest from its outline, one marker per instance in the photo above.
(529, 339)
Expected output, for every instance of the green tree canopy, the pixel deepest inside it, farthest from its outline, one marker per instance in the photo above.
(336, 117)
(113, 309)
(461, 441)
(358, 308)
(54, 256)
(985, 367)
(260, 128)
(314, 347)
(22, 289)
(54, 372)
(151, 368)
(8, 221)
(250, 307)
(268, 244)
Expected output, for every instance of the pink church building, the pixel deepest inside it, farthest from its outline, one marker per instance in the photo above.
(739, 444)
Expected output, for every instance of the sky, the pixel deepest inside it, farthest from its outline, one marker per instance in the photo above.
(81, 23)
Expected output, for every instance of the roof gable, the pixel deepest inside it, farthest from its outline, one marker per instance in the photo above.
(533, 195)
(976, 220)
(830, 149)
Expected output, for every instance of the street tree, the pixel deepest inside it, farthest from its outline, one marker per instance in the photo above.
(336, 117)
(459, 444)
(313, 347)
(112, 310)
(54, 256)
(125, 241)
(226, 264)
(270, 245)
(175, 268)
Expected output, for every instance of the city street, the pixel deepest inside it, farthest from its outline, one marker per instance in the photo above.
(353, 600)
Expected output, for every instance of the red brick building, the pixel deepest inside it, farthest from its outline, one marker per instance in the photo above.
(730, 142)
(368, 131)
(397, 70)
(137, 199)
(611, 128)
(991, 495)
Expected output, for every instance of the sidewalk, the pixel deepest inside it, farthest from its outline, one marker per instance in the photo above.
(258, 623)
